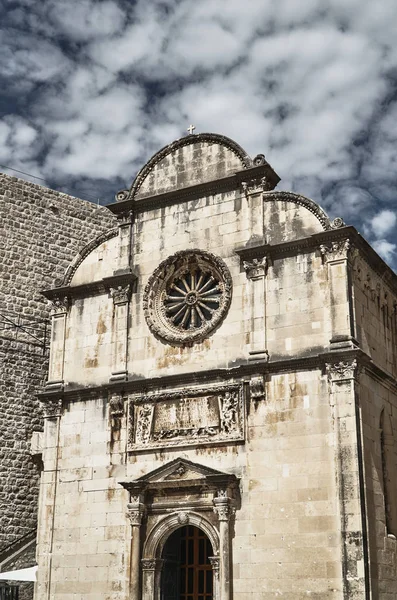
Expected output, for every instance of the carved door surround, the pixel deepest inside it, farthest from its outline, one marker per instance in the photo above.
(176, 494)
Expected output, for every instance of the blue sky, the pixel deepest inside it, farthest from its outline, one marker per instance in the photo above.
(91, 89)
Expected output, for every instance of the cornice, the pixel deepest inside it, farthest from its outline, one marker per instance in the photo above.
(303, 245)
(216, 186)
(93, 288)
(294, 247)
(243, 371)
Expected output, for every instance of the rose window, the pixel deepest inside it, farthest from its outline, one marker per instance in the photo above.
(187, 296)
(192, 299)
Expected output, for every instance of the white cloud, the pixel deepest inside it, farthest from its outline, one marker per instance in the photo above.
(386, 249)
(383, 222)
(309, 87)
(81, 20)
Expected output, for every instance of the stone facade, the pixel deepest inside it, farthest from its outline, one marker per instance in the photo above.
(223, 361)
(42, 230)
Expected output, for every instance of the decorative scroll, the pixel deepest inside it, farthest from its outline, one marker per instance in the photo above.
(257, 388)
(187, 417)
(116, 410)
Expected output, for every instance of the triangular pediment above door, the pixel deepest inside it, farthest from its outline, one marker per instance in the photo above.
(180, 473)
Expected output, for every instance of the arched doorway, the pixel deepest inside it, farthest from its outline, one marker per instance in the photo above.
(187, 571)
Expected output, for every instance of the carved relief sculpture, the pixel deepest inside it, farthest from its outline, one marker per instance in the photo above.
(187, 417)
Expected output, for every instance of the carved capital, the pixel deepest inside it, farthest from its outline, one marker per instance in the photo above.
(52, 408)
(341, 371)
(255, 268)
(152, 564)
(121, 295)
(338, 250)
(214, 560)
(257, 388)
(135, 513)
(60, 305)
(222, 508)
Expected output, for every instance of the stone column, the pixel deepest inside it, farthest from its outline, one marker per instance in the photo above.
(48, 496)
(151, 578)
(214, 560)
(256, 273)
(135, 512)
(58, 334)
(337, 257)
(121, 298)
(223, 510)
(341, 378)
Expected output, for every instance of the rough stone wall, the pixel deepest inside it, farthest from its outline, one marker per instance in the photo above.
(41, 232)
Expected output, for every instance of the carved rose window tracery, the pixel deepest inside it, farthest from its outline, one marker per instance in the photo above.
(187, 297)
(193, 298)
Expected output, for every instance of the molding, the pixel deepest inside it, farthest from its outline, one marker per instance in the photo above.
(111, 285)
(160, 532)
(327, 239)
(262, 174)
(294, 247)
(241, 372)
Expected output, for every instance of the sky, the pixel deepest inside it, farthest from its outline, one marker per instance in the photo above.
(90, 89)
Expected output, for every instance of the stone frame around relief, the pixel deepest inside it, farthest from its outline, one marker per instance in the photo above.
(207, 415)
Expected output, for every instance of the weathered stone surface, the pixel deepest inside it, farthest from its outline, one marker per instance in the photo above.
(260, 424)
(41, 232)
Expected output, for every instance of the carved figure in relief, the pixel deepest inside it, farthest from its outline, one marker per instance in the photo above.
(144, 422)
(229, 412)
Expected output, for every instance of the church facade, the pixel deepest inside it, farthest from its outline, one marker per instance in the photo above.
(220, 410)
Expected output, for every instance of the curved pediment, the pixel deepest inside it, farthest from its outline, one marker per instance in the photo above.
(289, 216)
(191, 160)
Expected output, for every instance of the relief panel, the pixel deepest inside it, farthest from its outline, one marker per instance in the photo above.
(204, 415)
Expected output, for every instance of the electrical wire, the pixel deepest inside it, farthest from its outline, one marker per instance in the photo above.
(96, 199)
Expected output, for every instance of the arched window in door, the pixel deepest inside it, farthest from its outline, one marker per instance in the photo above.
(387, 445)
(187, 571)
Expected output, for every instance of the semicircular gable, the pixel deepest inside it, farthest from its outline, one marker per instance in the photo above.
(290, 216)
(191, 160)
(81, 269)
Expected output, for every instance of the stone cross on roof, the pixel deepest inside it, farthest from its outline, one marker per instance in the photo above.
(190, 129)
